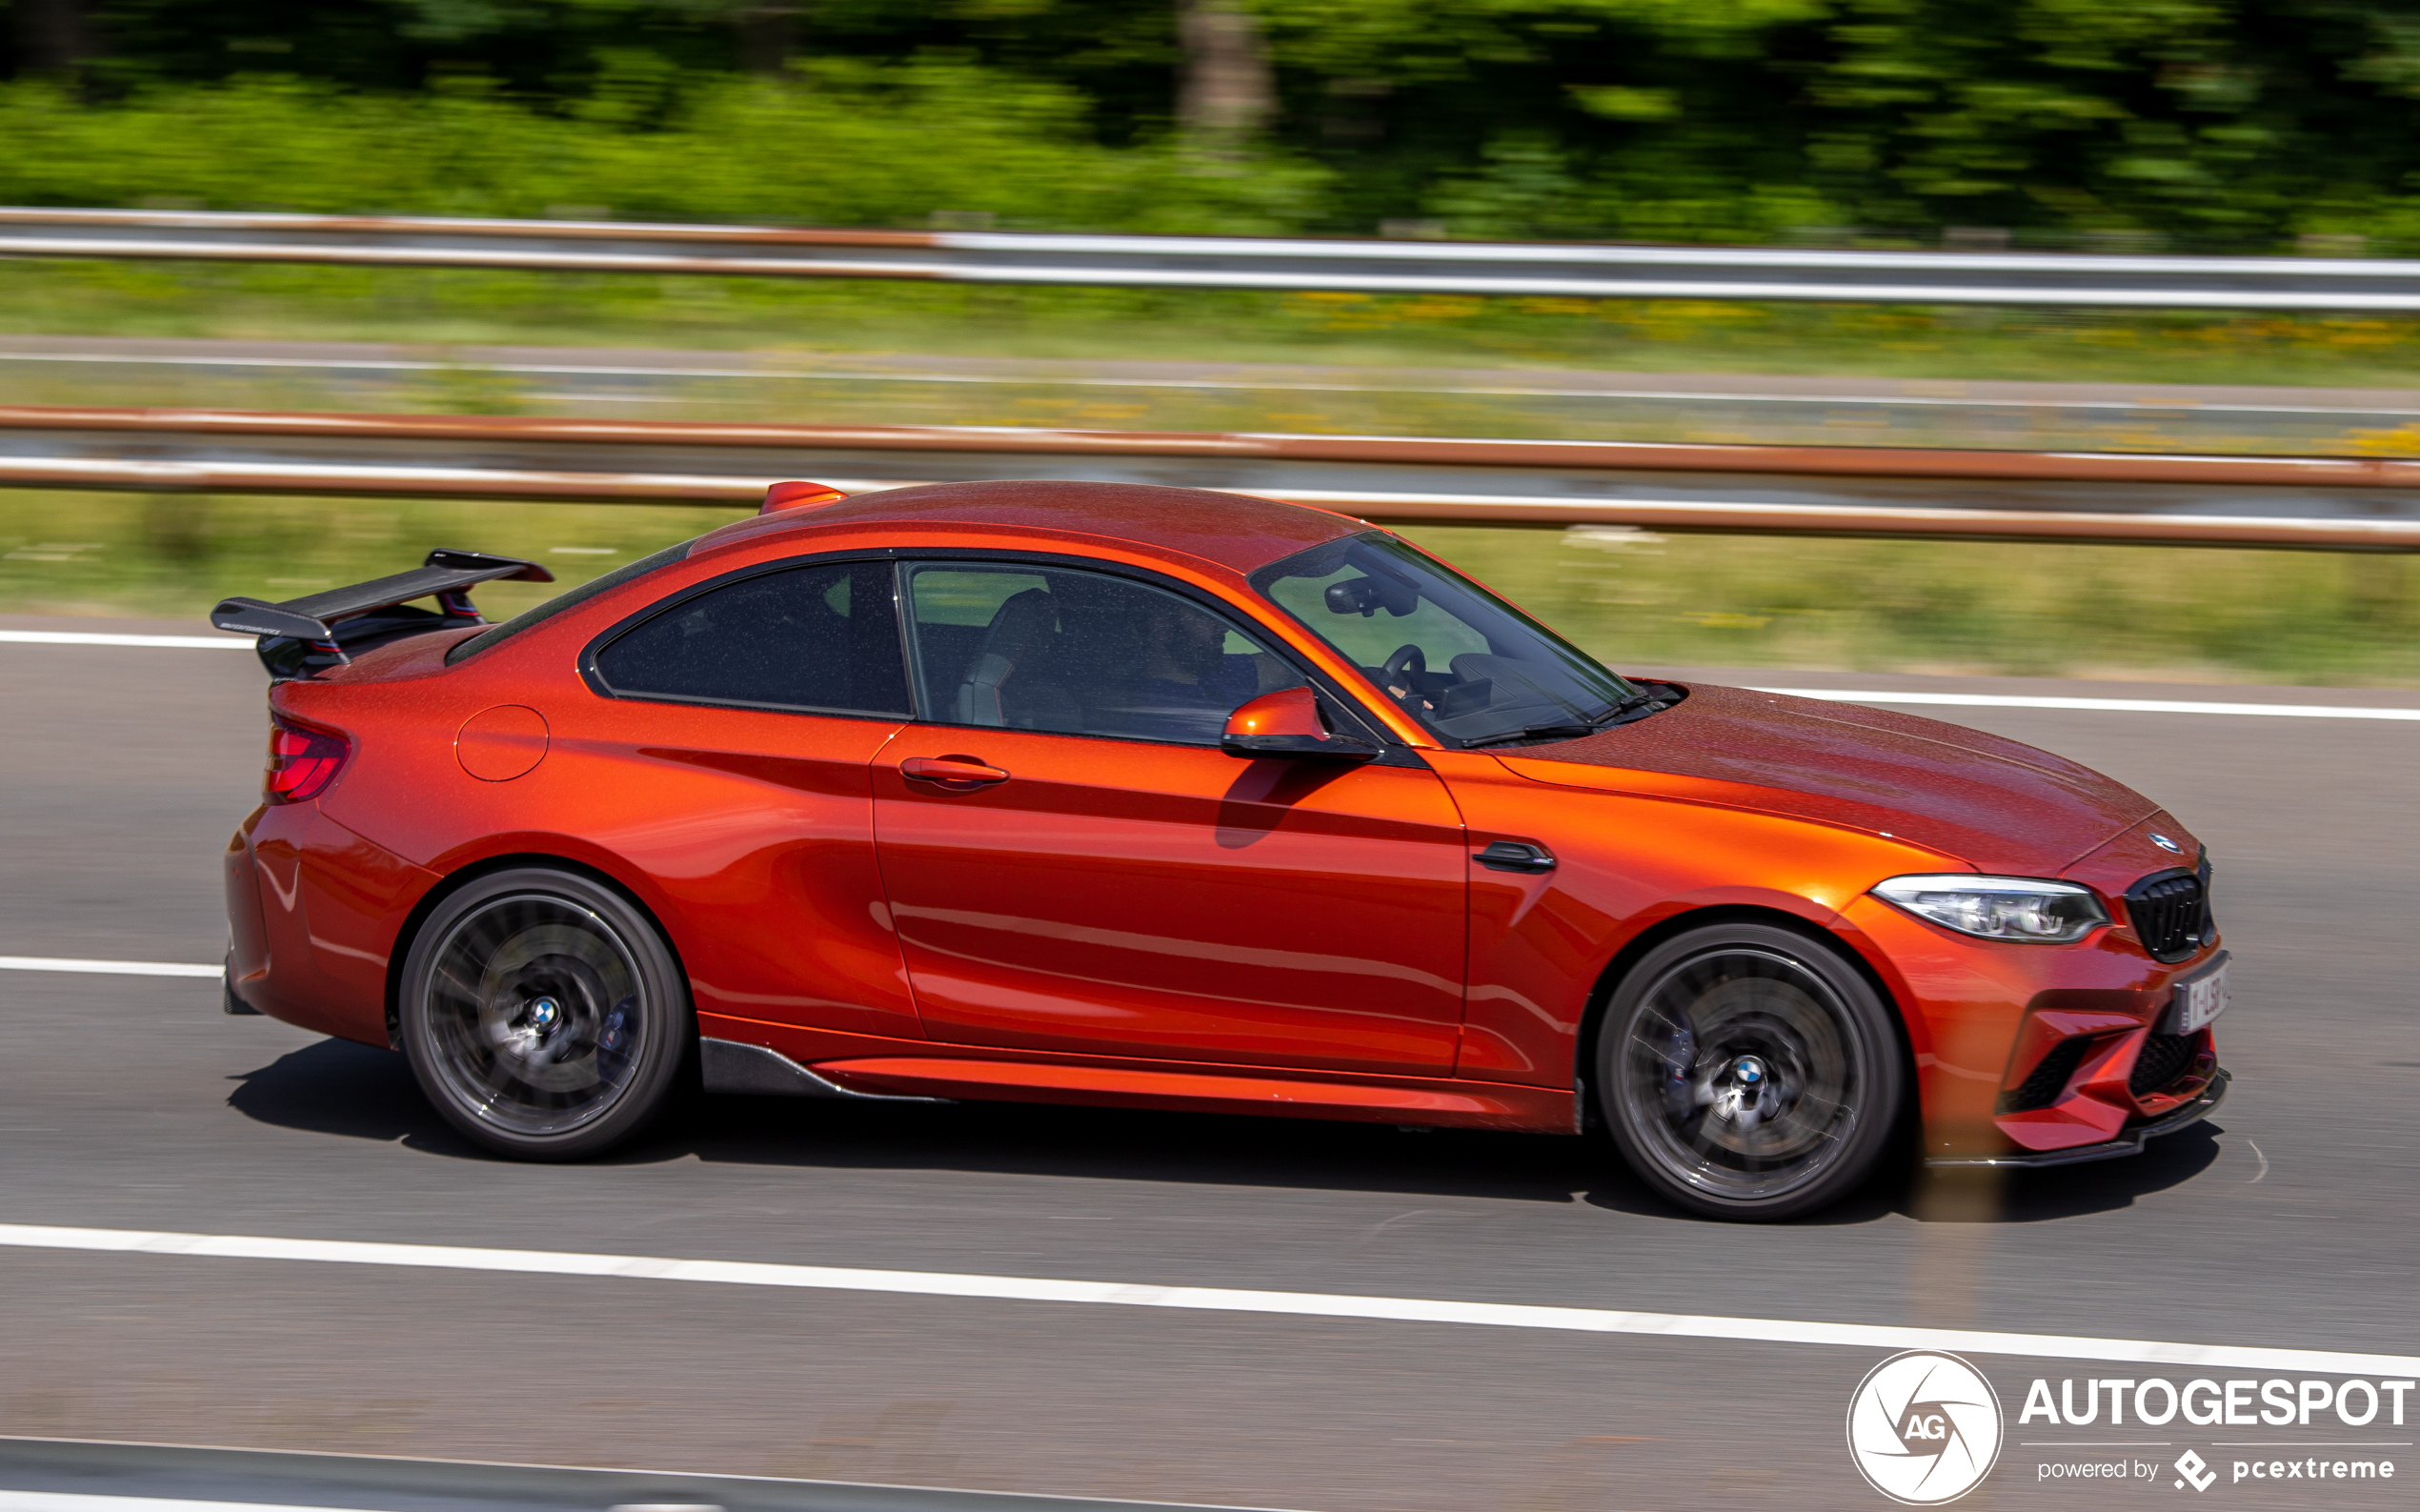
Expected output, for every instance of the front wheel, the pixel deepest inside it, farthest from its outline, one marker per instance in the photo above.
(1747, 1072)
(543, 1015)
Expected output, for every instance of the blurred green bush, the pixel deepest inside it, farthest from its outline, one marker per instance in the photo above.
(2116, 125)
(836, 143)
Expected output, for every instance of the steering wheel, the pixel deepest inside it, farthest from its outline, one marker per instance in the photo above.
(1408, 659)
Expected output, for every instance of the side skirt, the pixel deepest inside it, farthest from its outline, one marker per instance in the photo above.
(730, 1066)
(750, 1056)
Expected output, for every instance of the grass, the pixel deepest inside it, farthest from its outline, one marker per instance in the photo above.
(174, 555)
(459, 308)
(2161, 614)
(1632, 597)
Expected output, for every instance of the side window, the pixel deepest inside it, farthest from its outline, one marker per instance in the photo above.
(1076, 653)
(822, 637)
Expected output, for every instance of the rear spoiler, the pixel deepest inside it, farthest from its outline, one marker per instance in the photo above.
(302, 635)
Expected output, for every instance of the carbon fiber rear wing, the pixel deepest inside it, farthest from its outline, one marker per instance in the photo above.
(306, 635)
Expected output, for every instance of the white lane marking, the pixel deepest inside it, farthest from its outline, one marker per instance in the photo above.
(82, 637)
(79, 1502)
(2010, 701)
(1207, 1298)
(108, 968)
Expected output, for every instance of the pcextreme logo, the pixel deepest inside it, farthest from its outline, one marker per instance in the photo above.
(1925, 1427)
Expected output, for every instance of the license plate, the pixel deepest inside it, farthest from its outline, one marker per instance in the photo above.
(2200, 999)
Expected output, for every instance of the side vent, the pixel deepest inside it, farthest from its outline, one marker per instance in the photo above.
(2048, 1078)
(2163, 1061)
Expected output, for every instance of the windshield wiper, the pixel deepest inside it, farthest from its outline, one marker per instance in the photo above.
(1535, 732)
(1572, 729)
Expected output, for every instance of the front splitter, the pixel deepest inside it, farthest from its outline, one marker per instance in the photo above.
(2130, 1142)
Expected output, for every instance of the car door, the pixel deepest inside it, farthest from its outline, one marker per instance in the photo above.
(1073, 865)
(725, 759)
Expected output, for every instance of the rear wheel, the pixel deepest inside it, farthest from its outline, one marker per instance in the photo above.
(1749, 1073)
(543, 1015)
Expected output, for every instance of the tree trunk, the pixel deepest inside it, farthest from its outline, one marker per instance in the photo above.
(53, 36)
(768, 33)
(1227, 92)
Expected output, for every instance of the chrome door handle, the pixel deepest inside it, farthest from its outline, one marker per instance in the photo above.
(1517, 856)
(960, 773)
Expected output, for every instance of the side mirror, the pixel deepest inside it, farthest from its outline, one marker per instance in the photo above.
(1287, 723)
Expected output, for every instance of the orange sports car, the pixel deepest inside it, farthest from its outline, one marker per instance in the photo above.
(1150, 797)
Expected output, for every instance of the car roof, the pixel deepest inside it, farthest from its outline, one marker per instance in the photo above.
(1234, 531)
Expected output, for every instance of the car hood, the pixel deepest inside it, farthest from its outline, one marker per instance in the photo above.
(1999, 805)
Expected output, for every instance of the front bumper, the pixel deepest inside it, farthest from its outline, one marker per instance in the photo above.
(2129, 1142)
(1983, 1017)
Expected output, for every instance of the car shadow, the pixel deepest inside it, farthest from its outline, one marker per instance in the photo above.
(353, 1091)
(2068, 1191)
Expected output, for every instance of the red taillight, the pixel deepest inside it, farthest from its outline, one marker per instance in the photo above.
(302, 761)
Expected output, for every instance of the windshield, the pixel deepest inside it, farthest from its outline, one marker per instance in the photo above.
(1468, 666)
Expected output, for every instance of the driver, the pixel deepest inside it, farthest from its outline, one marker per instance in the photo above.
(1185, 664)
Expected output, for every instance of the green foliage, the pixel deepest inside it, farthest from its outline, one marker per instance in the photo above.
(839, 143)
(2118, 124)
(2199, 124)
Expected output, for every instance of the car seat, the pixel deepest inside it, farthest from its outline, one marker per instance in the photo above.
(1017, 646)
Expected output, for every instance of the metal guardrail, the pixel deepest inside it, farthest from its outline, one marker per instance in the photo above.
(2316, 503)
(1539, 269)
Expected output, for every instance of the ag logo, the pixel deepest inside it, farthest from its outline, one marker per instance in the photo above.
(1925, 1427)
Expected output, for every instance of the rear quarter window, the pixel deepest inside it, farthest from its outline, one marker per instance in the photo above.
(571, 599)
(816, 638)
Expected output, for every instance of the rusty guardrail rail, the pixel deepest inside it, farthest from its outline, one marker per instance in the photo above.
(1566, 270)
(2317, 503)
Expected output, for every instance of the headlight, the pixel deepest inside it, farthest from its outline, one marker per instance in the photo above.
(1999, 907)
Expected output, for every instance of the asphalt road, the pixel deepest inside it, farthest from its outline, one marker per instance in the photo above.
(133, 1103)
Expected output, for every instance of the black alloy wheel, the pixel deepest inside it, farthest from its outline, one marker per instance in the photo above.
(543, 1015)
(1749, 1073)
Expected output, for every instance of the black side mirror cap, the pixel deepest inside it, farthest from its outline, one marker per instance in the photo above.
(1318, 748)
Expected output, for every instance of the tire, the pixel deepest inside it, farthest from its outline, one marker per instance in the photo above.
(1749, 1073)
(543, 1015)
